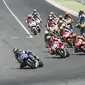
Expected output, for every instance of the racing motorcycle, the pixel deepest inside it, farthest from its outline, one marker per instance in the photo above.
(81, 20)
(68, 38)
(34, 27)
(31, 62)
(34, 30)
(38, 23)
(80, 47)
(60, 50)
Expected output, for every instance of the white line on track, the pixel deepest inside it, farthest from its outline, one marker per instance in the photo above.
(14, 37)
(1, 37)
(17, 19)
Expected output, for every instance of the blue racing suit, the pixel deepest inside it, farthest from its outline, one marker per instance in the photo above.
(20, 58)
(24, 55)
(69, 28)
(82, 19)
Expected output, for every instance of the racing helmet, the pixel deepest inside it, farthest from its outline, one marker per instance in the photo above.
(48, 37)
(46, 32)
(29, 16)
(60, 17)
(67, 13)
(50, 19)
(34, 10)
(61, 28)
(16, 51)
(81, 10)
(51, 13)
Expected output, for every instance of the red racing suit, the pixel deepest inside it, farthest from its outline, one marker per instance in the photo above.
(49, 24)
(78, 43)
(28, 20)
(51, 43)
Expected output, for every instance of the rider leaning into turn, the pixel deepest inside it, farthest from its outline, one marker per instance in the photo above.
(77, 41)
(51, 40)
(21, 55)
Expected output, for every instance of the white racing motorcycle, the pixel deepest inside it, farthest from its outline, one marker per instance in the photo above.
(38, 22)
(34, 27)
(60, 50)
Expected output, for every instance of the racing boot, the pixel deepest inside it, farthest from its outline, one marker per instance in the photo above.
(36, 63)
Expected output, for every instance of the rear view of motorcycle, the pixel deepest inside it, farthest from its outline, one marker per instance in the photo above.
(38, 25)
(34, 30)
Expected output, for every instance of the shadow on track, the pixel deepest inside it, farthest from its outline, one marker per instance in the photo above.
(78, 54)
(30, 34)
(26, 68)
(54, 58)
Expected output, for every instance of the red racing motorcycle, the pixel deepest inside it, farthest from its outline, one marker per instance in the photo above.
(60, 50)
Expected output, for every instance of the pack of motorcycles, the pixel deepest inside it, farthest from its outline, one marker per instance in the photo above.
(60, 50)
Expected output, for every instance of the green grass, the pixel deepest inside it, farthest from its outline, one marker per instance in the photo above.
(71, 4)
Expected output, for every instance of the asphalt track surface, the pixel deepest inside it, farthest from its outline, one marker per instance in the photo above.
(55, 70)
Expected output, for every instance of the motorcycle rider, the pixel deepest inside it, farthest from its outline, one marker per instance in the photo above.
(51, 40)
(22, 55)
(81, 18)
(69, 25)
(35, 14)
(50, 23)
(48, 33)
(28, 19)
(77, 41)
(67, 15)
(61, 31)
(81, 11)
(60, 18)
